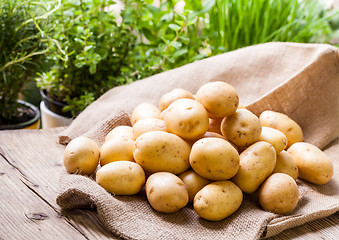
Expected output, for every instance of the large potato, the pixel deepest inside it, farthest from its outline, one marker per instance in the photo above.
(214, 159)
(313, 164)
(193, 182)
(219, 98)
(173, 95)
(166, 192)
(144, 110)
(242, 128)
(116, 149)
(286, 164)
(120, 131)
(276, 138)
(284, 124)
(147, 125)
(218, 200)
(121, 177)
(279, 194)
(186, 118)
(159, 151)
(256, 164)
(81, 155)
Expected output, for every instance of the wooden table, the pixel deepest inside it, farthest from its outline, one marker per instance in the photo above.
(30, 165)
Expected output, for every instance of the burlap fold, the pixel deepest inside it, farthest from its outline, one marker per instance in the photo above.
(301, 80)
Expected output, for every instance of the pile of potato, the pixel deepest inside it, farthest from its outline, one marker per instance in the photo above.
(206, 150)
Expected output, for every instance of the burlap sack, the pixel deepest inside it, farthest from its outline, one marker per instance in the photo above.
(301, 80)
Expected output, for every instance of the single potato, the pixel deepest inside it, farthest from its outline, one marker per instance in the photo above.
(193, 182)
(286, 164)
(159, 151)
(256, 164)
(284, 124)
(166, 192)
(276, 138)
(173, 95)
(144, 110)
(215, 124)
(120, 131)
(243, 128)
(218, 200)
(279, 194)
(214, 159)
(147, 125)
(186, 118)
(121, 178)
(81, 156)
(219, 99)
(313, 164)
(117, 149)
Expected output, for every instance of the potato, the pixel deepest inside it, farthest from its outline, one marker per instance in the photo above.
(243, 128)
(313, 164)
(81, 156)
(166, 192)
(279, 194)
(276, 138)
(121, 178)
(116, 149)
(187, 119)
(173, 95)
(120, 131)
(214, 159)
(286, 164)
(256, 164)
(215, 124)
(284, 124)
(218, 200)
(219, 98)
(147, 125)
(159, 151)
(144, 110)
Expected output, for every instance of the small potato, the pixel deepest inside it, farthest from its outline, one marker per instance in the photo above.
(313, 164)
(144, 110)
(284, 124)
(159, 151)
(218, 200)
(186, 118)
(121, 178)
(166, 192)
(286, 164)
(117, 149)
(215, 124)
(219, 98)
(81, 156)
(279, 194)
(173, 95)
(276, 138)
(243, 128)
(147, 125)
(214, 159)
(193, 182)
(120, 131)
(256, 164)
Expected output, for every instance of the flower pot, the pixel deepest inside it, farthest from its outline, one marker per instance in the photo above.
(33, 123)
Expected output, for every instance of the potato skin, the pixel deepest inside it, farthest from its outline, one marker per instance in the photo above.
(175, 94)
(286, 164)
(284, 124)
(186, 118)
(121, 177)
(159, 151)
(279, 194)
(313, 164)
(242, 128)
(219, 99)
(215, 124)
(256, 164)
(144, 110)
(214, 158)
(166, 192)
(276, 138)
(81, 155)
(147, 125)
(218, 200)
(116, 149)
(120, 131)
